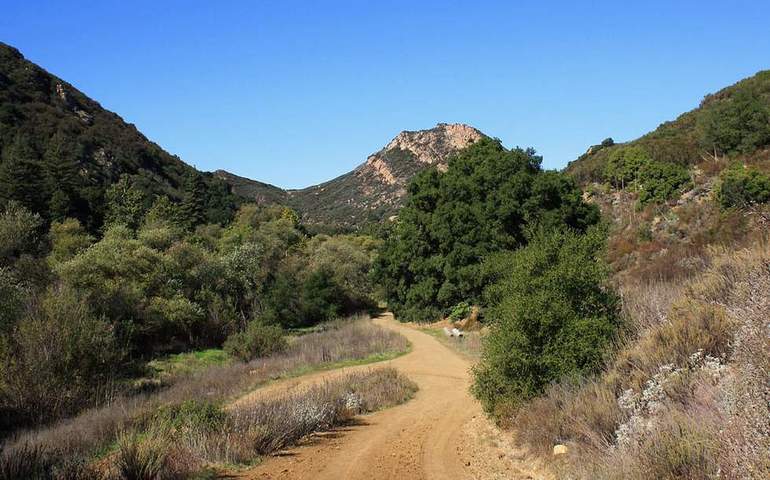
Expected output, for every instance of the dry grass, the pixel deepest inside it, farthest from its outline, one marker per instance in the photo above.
(686, 395)
(96, 429)
(199, 435)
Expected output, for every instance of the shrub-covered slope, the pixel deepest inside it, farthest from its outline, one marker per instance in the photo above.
(60, 150)
(734, 121)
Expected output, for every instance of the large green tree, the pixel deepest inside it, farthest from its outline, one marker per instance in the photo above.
(483, 203)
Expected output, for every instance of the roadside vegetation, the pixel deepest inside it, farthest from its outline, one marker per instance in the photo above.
(92, 436)
(85, 314)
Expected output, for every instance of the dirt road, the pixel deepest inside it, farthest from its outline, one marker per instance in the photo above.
(440, 434)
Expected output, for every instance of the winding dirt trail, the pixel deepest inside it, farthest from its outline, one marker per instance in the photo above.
(440, 434)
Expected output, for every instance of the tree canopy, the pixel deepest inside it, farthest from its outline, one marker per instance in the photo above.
(485, 202)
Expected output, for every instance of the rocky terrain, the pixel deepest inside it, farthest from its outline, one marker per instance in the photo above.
(375, 189)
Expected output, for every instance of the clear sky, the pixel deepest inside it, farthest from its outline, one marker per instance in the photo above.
(297, 92)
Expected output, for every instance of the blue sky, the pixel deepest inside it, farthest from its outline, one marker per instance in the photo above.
(295, 93)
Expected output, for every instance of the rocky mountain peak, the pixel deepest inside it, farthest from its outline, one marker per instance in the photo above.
(433, 146)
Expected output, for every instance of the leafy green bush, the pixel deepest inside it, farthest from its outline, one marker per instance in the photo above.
(321, 299)
(459, 311)
(658, 181)
(256, 341)
(742, 187)
(68, 238)
(553, 315)
(655, 181)
(59, 346)
(189, 417)
(14, 297)
(623, 165)
(19, 232)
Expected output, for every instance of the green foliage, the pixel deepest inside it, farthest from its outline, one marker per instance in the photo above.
(20, 179)
(553, 315)
(742, 187)
(258, 340)
(189, 417)
(125, 204)
(19, 232)
(624, 164)
(68, 239)
(459, 311)
(655, 181)
(482, 204)
(58, 346)
(14, 296)
(320, 299)
(193, 207)
(739, 123)
(658, 182)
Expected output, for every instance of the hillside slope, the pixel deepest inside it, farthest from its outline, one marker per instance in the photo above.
(734, 121)
(376, 188)
(60, 150)
(663, 191)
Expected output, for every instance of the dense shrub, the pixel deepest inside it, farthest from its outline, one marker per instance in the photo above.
(14, 296)
(742, 187)
(553, 315)
(655, 181)
(58, 346)
(658, 181)
(19, 232)
(482, 204)
(623, 165)
(459, 311)
(68, 238)
(256, 341)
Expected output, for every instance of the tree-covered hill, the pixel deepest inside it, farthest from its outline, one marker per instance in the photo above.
(60, 151)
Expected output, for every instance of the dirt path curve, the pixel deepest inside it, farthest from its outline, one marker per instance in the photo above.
(440, 434)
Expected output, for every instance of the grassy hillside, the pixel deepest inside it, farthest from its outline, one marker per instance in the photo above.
(60, 150)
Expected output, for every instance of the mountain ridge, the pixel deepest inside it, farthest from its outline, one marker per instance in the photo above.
(374, 189)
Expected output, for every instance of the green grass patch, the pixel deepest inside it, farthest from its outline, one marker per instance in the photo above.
(188, 362)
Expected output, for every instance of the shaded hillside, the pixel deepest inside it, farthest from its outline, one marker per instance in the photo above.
(60, 150)
(376, 188)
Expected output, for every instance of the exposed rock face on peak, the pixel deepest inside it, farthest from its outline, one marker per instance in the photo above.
(376, 188)
(435, 145)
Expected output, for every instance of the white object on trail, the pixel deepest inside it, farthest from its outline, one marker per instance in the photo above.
(457, 333)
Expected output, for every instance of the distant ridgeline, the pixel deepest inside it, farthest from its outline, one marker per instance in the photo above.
(60, 151)
(374, 190)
